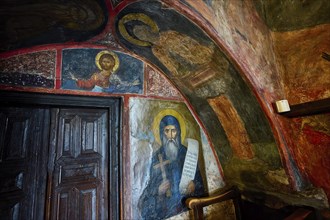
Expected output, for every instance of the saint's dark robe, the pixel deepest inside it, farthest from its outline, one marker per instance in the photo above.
(155, 206)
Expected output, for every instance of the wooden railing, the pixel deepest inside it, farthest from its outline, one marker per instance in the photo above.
(197, 204)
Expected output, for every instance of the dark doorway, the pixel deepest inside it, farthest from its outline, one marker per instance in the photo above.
(59, 157)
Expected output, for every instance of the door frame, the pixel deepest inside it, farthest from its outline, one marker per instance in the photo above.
(112, 104)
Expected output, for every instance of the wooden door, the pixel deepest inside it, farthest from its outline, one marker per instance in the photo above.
(23, 161)
(57, 160)
(78, 164)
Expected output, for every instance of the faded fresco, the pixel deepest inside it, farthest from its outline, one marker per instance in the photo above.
(300, 67)
(237, 125)
(164, 139)
(245, 35)
(306, 77)
(179, 53)
(29, 70)
(29, 23)
(283, 15)
(290, 39)
(158, 85)
(101, 71)
(311, 134)
(312, 141)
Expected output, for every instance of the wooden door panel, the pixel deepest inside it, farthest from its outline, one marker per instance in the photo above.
(82, 134)
(76, 173)
(77, 203)
(23, 155)
(15, 144)
(80, 165)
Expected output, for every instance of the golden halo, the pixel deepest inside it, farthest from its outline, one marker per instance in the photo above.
(136, 17)
(115, 57)
(160, 116)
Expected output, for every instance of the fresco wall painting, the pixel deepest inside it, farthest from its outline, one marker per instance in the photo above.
(94, 70)
(158, 85)
(35, 69)
(160, 189)
(202, 72)
(101, 71)
(251, 26)
(29, 23)
(241, 31)
(306, 77)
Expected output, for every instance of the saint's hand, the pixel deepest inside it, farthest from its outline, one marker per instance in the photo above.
(73, 77)
(190, 188)
(164, 187)
(136, 82)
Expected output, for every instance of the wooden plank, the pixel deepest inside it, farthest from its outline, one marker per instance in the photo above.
(309, 108)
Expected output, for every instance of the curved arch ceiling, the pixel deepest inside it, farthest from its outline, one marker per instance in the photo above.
(224, 101)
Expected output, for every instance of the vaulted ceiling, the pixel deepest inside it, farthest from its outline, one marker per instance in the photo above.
(32, 22)
(255, 52)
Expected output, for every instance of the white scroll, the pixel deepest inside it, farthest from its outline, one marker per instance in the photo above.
(190, 164)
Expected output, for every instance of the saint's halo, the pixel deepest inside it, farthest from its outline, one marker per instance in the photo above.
(115, 57)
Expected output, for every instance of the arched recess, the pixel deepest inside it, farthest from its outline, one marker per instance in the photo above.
(239, 121)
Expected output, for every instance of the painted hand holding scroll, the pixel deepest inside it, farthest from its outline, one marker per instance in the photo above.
(190, 188)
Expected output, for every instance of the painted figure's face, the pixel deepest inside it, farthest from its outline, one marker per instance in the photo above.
(107, 63)
(170, 132)
(144, 33)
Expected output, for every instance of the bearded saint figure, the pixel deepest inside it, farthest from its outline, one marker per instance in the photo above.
(162, 198)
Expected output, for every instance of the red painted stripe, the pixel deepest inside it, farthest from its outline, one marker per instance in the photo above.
(58, 69)
(70, 45)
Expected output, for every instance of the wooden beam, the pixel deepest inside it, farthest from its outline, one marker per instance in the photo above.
(309, 108)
